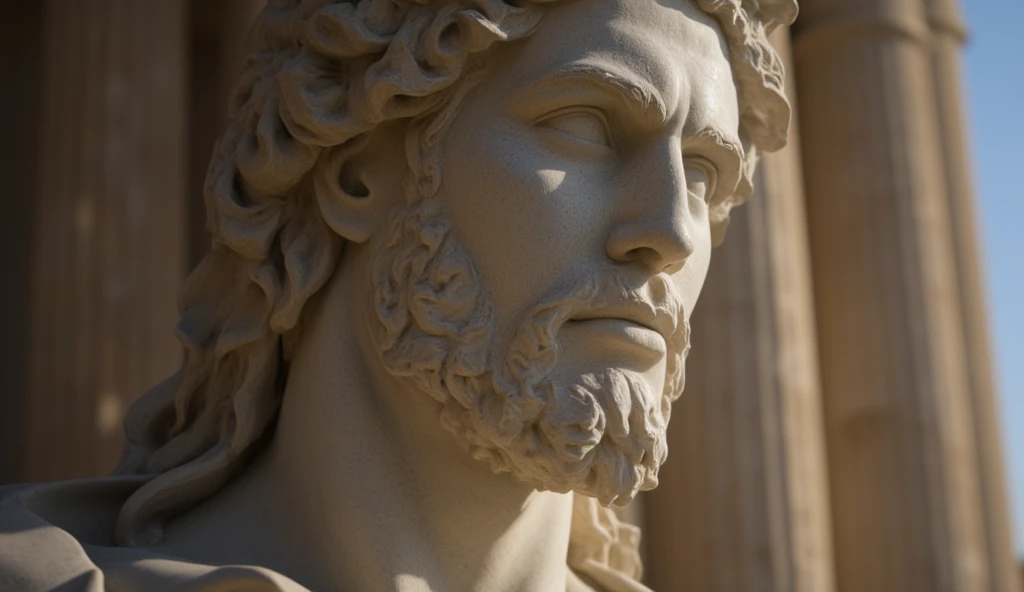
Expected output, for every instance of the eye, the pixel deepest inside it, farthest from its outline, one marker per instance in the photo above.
(701, 178)
(587, 125)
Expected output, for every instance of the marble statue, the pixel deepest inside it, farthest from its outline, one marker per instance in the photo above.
(456, 244)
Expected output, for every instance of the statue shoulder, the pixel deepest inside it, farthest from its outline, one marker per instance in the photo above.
(60, 536)
(35, 554)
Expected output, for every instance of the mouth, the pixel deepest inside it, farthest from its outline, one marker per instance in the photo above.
(628, 333)
(640, 317)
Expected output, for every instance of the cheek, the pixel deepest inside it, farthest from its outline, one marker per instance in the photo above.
(525, 217)
(689, 281)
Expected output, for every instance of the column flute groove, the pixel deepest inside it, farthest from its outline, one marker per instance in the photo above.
(109, 235)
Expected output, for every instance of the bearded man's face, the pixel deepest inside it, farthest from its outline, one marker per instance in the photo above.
(542, 294)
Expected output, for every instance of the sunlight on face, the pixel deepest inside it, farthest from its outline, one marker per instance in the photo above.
(543, 293)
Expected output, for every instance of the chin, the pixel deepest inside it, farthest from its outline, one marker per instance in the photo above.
(600, 434)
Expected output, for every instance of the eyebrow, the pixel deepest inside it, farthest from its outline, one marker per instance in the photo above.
(648, 104)
(640, 95)
(723, 147)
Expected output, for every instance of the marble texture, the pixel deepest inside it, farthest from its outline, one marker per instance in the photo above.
(456, 246)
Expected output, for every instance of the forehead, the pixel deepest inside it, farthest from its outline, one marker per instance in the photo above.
(672, 45)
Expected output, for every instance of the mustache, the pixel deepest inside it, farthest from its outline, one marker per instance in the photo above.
(652, 302)
(649, 301)
(528, 360)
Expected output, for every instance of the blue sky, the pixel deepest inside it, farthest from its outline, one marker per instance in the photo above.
(994, 79)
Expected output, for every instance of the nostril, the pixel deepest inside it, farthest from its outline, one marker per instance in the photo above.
(658, 246)
(640, 254)
(655, 259)
(673, 249)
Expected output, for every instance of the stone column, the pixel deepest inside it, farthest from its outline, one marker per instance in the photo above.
(906, 504)
(21, 33)
(108, 242)
(948, 34)
(743, 505)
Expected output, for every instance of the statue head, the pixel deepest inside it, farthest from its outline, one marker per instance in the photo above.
(524, 212)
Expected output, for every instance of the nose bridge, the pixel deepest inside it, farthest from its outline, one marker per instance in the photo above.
(653, 221)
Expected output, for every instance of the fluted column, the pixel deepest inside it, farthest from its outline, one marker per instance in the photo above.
(906, 504)
(108, 241)
(21, 31)
(743, 505)
(948, 33)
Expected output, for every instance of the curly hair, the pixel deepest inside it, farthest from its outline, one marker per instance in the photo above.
(321, 75)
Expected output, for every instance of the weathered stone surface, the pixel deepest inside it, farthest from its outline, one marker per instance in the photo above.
(446, 311)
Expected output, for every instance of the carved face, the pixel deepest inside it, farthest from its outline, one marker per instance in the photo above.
(542, 294)
(575, 185)
(592, 146)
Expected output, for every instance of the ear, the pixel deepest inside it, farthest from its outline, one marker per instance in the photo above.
(359, 182)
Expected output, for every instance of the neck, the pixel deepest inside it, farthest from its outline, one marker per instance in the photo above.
(362, 489)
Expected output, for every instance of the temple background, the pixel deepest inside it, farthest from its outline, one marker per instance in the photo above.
(841, 424)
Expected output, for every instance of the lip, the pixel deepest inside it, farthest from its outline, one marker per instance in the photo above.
(641, 316)
(625, 335)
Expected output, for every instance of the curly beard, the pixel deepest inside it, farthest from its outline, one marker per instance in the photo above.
(601, 434)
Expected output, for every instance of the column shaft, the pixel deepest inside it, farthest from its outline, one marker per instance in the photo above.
(21, 43)
(947, 38)
(901, 449)
(108, 242)
(743, 504)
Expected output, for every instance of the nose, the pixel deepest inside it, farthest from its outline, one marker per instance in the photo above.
(653, 223)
